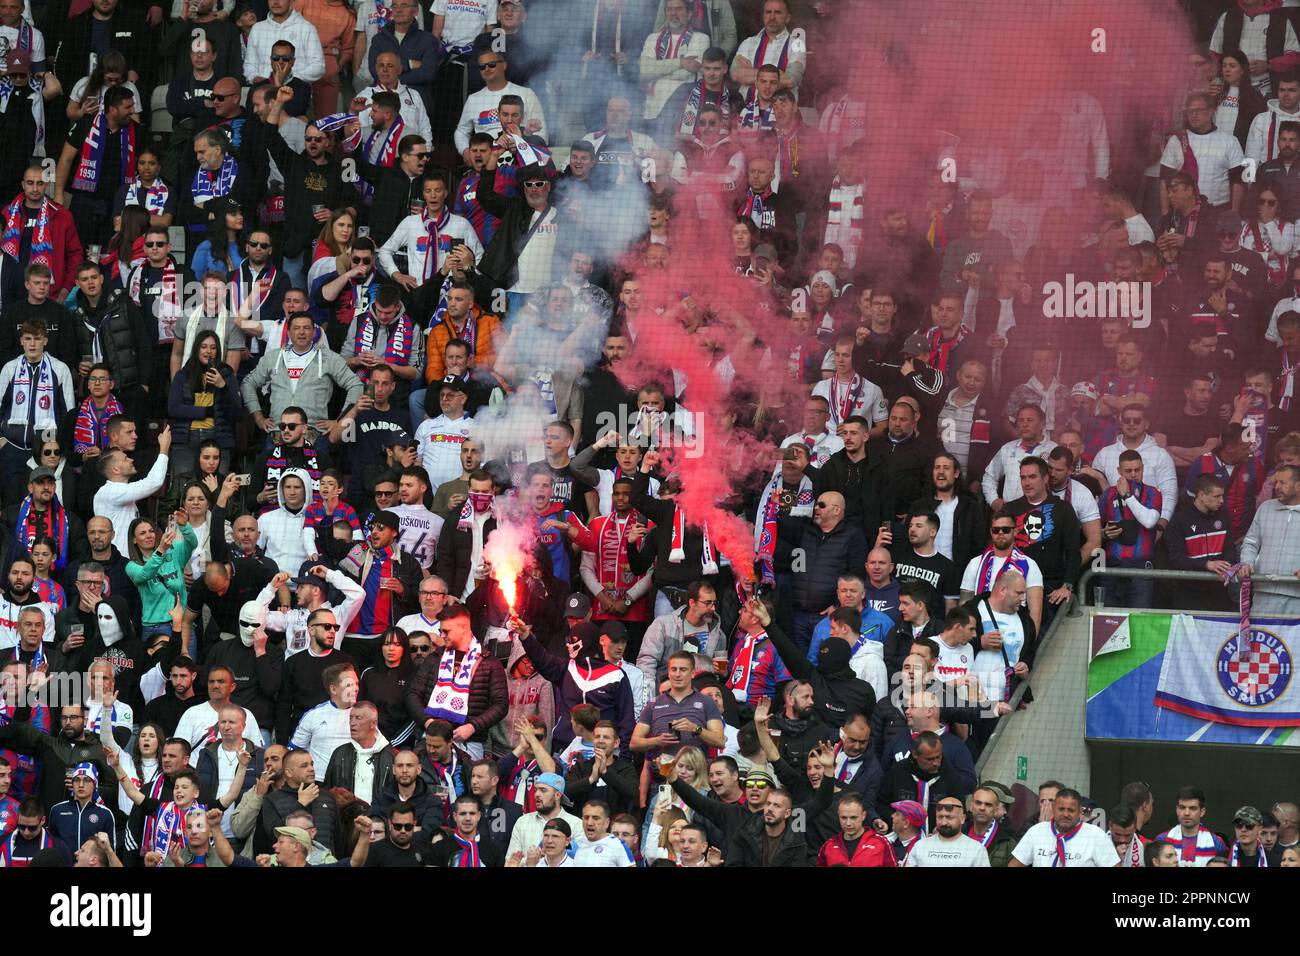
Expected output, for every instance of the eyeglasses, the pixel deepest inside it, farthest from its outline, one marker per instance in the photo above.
(535, 184)
(281, 58)
(285, 426)
(433, 594)
(66, 719)
(155, 245)
(314, 139)
(93, 585)
(400, 826)
(328, 627)
(358, 261)
(258, 245)
(489, 64)
(99, 378)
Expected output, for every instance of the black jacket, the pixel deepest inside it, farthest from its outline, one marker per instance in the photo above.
(619, 785)
(898, 643)
(209, 772)
(444, 851)
(838, 474)
(307, 184)
(127, 33)
(120, 330)
(502, 254)
(489, 698)
(395, 194)
(733, 818)
(837, 691)
(900, 471)
(901, 780)
(827, 555)
(970, 531)
(58, 757)
(342, 768)
(302, 687)
(280, 803)
(746, 848)
(430, 809)
(799, 737)
(455, 547)
(657, 545)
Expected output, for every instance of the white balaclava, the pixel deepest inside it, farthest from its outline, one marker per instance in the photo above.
(110, 628)
(251, 616)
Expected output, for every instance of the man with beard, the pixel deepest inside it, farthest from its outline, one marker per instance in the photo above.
(17, 595)
(963, 531)
(801, 730)
(1282, 173)
(406, 787)
(301, 686)
(59, 755)
(403, 845)
(1047, 530)
(926, 773)
(992, 833)
(1220, 303)
(837, 692)
(41, 513)
(947, 845)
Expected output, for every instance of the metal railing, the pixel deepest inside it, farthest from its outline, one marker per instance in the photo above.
(1099, 568)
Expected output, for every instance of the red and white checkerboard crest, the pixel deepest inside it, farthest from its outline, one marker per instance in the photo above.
(1257, 673)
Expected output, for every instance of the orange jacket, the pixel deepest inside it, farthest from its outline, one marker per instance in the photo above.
(488, 328)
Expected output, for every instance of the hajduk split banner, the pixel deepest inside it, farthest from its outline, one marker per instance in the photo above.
(1194, 678)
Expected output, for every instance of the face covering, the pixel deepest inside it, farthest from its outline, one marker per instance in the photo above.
(110, 629)
(250, 619)
(481, 501)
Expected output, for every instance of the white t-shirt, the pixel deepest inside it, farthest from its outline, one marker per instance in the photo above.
(439, 440)
(1090, 847)
(935, 850)
(1216, 152)
(322, 730)
(419, 532)
(465, 19)
(954, 662)
(990, 666)
(418, 622)
(865, 399)
(535, 262)
(823, 446)
(608, 851)
(945, 512)
(198, 725)
(79, 91)
(1083, 501)
(970, 577)
(294, 363)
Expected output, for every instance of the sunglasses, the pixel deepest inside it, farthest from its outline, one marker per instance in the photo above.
(489, 64)
(535, 184)
(384, 494)
(155, 245)
(400, 826)
(54, 451)
(361, 262)
(258, 245)
(220, 97)
(328, 627)
(285, 426)
(314, 139)
(281, 58)
(29, 827)
(424, 155)
(756, 784)
(1003, 530)
(421, 649)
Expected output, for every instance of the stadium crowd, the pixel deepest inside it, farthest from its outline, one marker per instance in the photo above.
(305, 305)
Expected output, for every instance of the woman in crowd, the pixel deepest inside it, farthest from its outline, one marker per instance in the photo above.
(204, 404)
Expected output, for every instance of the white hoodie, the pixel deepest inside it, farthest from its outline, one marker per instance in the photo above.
(309, 58)
(1261, 141)
(280, 531)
